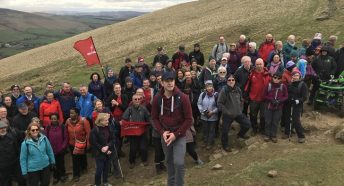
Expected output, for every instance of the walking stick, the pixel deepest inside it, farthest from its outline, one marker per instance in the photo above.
(291, 121)
(118, 163)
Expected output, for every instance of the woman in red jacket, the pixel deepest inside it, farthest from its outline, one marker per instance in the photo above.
(49, 106)
(78, 131)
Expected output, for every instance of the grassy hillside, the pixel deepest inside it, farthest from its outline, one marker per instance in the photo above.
(201, 21)
(24, 31)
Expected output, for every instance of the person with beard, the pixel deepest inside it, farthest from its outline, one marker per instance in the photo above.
(266, 47)
(234, 59)
(129, 89)
(197, 54)
(252, 52)
(289, 47)
(11, 108)
(110, 79)
(29, 99)
(161, 57)
(180, 79)
(15, 93)
(96, 87)
(241, 78)
(125, 71)
(58, 137)
(66, 97)
(179, 57)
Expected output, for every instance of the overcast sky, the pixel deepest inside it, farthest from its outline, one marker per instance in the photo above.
(87, 5)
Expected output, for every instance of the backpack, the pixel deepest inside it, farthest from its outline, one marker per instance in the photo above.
(216, 95)
(217, 47)
(177, 100)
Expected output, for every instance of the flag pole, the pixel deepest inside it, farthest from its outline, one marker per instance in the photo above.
(95, 49)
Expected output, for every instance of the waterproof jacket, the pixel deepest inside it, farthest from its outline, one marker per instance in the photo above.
(160, 58)
(86, 106)
(9, 153)
(198, 55)
(67, 100)
(171, 115)
(97, 89)
(35, 156)
(58, 137)
(265, 49)
(256, 82)
(177, 59)
(123, 73)
(117, 111)
(288, 49)
(101, 137)
(275, 91)
(241, 77)
(208, 103)
(324, 66)
(297, 92)
(79, 131)
(21, 122)
(33, 104)
(230, 101)
(47, 108)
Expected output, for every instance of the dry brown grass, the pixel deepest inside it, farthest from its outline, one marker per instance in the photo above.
(200, 21)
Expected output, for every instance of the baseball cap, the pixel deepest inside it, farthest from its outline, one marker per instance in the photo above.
(168, 75)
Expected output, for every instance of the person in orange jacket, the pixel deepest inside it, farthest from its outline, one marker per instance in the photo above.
(48, 106)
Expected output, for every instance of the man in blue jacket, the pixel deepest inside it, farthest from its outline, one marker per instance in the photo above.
(85, 103)
(29, 99)
(66, 96)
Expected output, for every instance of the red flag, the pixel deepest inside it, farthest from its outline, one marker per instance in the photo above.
(88, 51)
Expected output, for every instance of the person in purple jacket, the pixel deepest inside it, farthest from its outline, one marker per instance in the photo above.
(274, 95)
(58, 137)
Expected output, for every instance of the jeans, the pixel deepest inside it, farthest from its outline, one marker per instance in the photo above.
(272, 117)
(138, 143)
(209, 131)
(41, 177)
(174, 155)
(255, 109)
(102, 169)
(227, 122)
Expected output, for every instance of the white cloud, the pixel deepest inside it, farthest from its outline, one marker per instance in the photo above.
(88, 5)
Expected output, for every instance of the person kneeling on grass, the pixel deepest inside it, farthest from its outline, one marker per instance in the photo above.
(137, 113)
(102, 141)
(230, 103)
(274, 95)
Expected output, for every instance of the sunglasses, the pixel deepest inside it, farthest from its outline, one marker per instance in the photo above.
(276, 77)
(222, 72)
(34, 130)
(136, 99)
(231, 80)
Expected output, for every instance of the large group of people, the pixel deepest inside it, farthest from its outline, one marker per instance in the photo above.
(163, 104)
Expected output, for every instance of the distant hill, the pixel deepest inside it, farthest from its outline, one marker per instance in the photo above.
(199, 21)
(21, 31)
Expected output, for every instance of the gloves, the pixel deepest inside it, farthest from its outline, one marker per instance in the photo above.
(52, 167)
(297, 102)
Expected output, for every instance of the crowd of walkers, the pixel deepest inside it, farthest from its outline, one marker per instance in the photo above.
(163, 104)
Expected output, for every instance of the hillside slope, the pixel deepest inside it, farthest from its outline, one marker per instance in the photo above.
(201, 21)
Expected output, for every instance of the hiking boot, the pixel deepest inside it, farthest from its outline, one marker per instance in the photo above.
(227, 149)
(131, 165)
(274, 140)
(199, 162)
(266, 139)
(301, 140)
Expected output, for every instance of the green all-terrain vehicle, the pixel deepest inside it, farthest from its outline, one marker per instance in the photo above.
(331, 95)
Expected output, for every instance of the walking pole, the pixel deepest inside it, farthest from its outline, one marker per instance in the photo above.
(291, 120)
(118, 163)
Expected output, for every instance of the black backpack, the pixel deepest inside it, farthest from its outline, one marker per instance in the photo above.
(216, 95)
